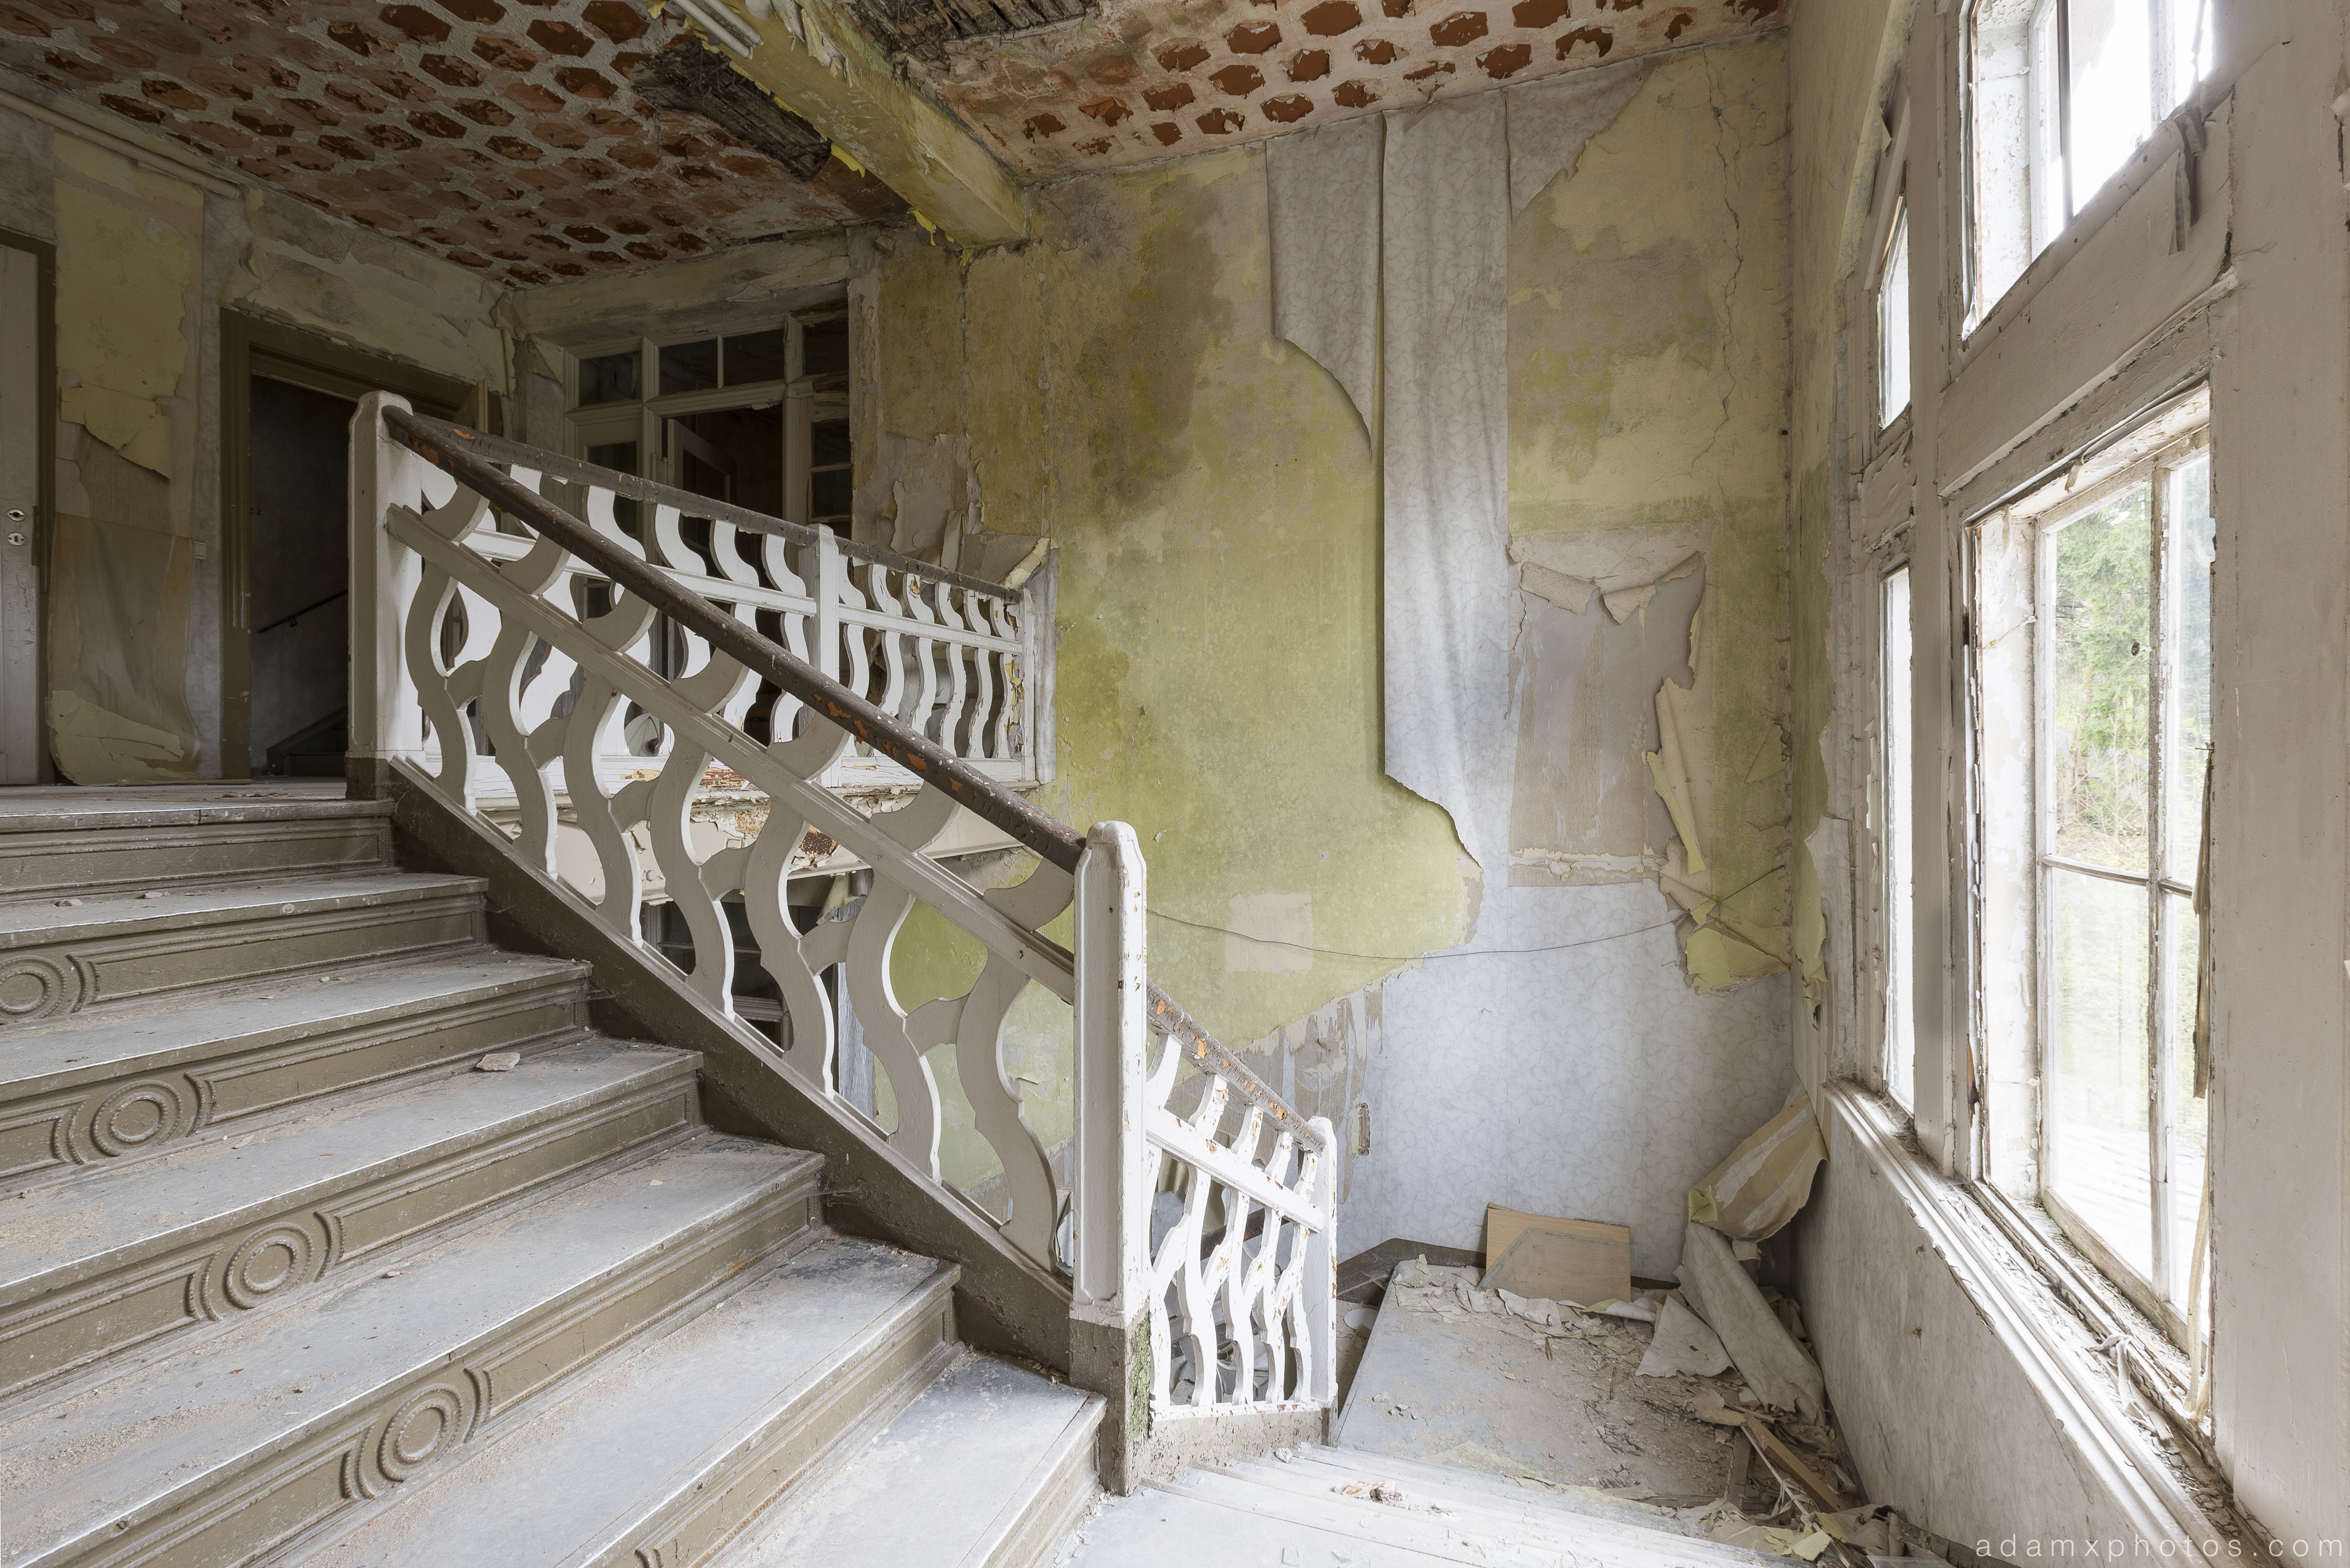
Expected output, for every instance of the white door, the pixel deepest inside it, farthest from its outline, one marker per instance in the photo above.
(20, 482)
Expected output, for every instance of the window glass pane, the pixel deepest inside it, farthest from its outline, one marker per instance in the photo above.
(2193, 545)
(2190, 1117)
(620, 455)
(2103, 685)
(1900, 1029)
(828, 443)
(2113, 88)
(823, 348)
(828, 496)
(2050, 208)
(755, 356)
(1893, 324)
(608, 378)
(689, 366)
(2097, 1047)
(732, 454)
(2189, 26)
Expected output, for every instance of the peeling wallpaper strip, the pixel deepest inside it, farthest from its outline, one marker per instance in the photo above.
(1445, 245)
(1322, 197)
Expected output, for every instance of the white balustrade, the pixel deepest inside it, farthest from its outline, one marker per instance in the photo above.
(517, 683)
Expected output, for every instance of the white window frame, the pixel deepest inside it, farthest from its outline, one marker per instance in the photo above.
(2010, 658)
(2030, 161)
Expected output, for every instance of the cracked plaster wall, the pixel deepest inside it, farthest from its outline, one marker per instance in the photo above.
(1113, 382)
(146, 262)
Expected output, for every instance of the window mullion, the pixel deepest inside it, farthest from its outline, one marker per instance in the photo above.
(2158, 916)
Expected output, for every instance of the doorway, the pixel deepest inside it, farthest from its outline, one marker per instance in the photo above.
(285, 659)
(297, 579)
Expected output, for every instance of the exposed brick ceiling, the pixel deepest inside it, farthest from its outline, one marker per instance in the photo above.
(1159, 78)
(499, 133)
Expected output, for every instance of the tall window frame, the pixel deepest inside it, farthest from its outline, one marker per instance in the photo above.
(2090, 658)
(2060, 96)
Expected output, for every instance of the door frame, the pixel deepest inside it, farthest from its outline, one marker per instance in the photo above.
(44, 507)
(250, 346)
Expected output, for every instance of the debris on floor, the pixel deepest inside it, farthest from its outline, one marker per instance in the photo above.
(1651, 1403)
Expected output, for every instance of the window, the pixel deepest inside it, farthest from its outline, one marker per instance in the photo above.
(1893, 324)
(759, 417)
(2063, 92)
(1900, 946)
(2094, 599)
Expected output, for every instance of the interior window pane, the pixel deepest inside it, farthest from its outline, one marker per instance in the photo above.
(732, 454)
(755, 356)
(2190, 1117)
(608, 378)
(1893, 324)
(2049, 207)
(2189, 26)
(2103, 683)
(2097, 1112)
(828, 443)
(2113, 88)
(689, 366)
(620, 455)
(1900, 1028)
(2193, 545)
(823, 348)
(828, 495)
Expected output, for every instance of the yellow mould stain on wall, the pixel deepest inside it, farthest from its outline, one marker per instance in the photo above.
(127, 243)
(123, 562)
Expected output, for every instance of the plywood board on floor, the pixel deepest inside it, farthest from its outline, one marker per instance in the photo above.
(1442, 1381)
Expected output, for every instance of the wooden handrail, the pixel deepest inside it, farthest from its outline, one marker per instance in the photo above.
(461, 452)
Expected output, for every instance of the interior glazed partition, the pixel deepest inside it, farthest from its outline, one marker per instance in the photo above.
(510, 647)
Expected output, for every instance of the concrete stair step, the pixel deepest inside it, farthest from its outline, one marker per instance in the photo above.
(239, 1443)
(55, 960)
(987, 1470)
(59, 809)
(128, 1253)
(664, 1455)
(61, 848)
(94, 1088)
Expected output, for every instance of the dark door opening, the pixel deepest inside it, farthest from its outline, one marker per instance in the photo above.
(297, 579)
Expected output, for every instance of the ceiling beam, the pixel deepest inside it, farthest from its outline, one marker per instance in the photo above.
(822, 67)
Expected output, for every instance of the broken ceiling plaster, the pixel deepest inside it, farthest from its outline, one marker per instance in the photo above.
(1158, 78)
(506, 142)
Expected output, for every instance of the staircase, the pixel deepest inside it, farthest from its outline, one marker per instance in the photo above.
(285, 1278)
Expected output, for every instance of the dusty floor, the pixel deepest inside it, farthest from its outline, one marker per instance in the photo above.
(1563, 1406)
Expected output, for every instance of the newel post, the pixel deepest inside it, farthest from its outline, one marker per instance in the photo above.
(1110, 1166)
(386, 721)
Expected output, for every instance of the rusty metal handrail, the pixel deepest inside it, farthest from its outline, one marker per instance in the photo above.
(459, 451)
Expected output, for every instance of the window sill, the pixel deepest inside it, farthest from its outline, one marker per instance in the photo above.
(2046, 1336)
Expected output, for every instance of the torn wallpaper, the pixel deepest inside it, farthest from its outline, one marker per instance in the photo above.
(1445, 222)
(1323, 198)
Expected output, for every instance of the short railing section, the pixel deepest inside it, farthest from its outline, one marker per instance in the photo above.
(560, 650)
